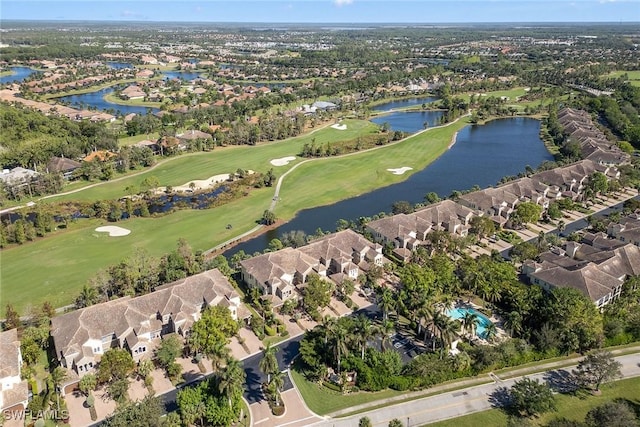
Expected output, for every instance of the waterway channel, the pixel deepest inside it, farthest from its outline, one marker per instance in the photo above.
(482, 155)
(95, 100)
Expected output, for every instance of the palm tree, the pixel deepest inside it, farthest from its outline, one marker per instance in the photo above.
(88, 296)
(365, 331)
(340, 342)
(276, 384)
(425, 315)
(328, 327)
(269, 363)
(58, 375)
(446, 329)
(469, 322)
(219, 353)
(490, 332)
(231, 379)
(386, 303)
(387, 328)
(513, 321)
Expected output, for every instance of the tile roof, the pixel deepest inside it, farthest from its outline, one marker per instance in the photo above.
(122, 316)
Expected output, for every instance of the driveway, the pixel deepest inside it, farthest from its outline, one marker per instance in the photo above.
(296, 412)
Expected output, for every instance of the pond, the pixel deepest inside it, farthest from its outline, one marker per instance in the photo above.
(404, 103)
(95, 100)
(184, 75)
(482, 155)
(410, 121)
(119, 65)
(18, 75)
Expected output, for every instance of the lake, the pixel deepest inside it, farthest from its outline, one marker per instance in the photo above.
(404, 103)
(184, 75)
(410, 121)
(96, 100)
(482, 155)
(119, 65)
(19, 74)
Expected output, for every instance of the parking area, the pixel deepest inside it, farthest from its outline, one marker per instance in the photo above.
(406, 347)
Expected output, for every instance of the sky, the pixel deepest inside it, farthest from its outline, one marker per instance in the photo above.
(324, 11)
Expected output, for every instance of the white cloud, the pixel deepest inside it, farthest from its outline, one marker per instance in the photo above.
(341, 3)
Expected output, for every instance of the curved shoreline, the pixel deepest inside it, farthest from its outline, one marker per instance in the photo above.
(260, 229)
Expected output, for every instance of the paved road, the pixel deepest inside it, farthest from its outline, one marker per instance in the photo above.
(287, 353)
(466, 401)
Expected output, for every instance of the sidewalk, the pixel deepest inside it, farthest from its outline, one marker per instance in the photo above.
(485, 378)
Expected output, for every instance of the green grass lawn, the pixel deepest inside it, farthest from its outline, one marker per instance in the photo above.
(335, 179)
(512, 94)
(130, 140)
(323, 401)
(187, 167)
(56, 267)
(634, 76)
(570, 407)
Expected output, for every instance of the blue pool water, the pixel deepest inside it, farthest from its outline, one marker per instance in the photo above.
(481, 324)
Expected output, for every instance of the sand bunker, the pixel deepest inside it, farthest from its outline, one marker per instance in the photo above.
(339, 126)
(400, 171)
(201, 184)
(113, 230)
(283, 161)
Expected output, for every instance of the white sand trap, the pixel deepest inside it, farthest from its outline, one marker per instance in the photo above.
(201, 184)
(282, 161)
(400, 171)
(339, 126)
(113, 230)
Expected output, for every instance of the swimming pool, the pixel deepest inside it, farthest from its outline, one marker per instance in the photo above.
(481, 324)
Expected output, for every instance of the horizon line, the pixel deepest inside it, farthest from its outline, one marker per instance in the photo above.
(310, 23)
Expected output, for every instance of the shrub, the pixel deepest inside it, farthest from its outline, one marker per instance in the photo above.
(400, 383)
(332, 386)
(277, 410)
(284, 333)
(269, 330)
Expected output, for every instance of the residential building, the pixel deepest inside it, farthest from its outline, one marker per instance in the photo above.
(63, 166)
(597, 267)
(137, 324)
(405, 232)
(627, 229)
(495, 203)
(13, 390)
(338, 256)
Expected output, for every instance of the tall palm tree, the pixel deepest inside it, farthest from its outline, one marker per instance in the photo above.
(365, 331)
(328, 327)
(513, 321)
(58, 375)
(277, 382)
(490, 332)
(446, 329)
(269, 363)
(425, 316)
(218, 354)
(387, 303)
(387, 329)
(340, 338)
(231, 379)
(469, 322)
